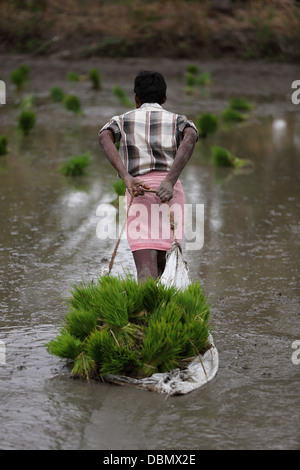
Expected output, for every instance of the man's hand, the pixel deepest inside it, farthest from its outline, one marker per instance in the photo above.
(135, 186)
(165, 191)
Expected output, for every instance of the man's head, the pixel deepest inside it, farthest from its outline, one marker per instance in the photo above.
(150, 87)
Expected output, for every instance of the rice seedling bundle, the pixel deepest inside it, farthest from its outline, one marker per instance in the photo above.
(118, 326)
(3, 145)
(75, 166)
(95, 78)
(122, 97)
(19, 76)
(26, 121)
(207, 124)
(72, 103)
(223, 157)
(57, 94)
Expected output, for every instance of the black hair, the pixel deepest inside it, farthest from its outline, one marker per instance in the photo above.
(150, 87)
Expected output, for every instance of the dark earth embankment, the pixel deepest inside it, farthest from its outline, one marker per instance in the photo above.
(253, 29)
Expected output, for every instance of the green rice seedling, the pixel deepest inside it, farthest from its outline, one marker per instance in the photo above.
(19, 76)
(155, 294)
(121, 95)
(103, 332)
(192, 69)
(192, 301)
(119, 187)
(232, 115)
(25, 70)
(75, 166)
(165, 341)
(240, 104)
(95, 78)
(222, 156)
(135, 297)
(73, 76)
(27, 102)
(65, 345)
(3, 145)
(81, 322)
(83, 366)
(204, 79)
(207, 124)
(57, 94)
(190, 80)
(26, 121)
(72, 103)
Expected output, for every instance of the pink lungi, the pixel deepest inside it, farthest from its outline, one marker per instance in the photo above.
(148, 223)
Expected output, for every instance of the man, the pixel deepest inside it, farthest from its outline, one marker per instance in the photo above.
(155, 146)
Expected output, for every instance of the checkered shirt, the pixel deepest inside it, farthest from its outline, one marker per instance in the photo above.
(149, 137)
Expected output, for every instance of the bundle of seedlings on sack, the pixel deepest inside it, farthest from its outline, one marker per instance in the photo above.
(118, 326)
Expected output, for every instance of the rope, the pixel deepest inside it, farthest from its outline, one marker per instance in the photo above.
(172, 225)
(120, 236)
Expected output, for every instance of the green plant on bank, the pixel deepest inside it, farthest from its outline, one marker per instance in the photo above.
(121, 95)
(95, 78)
(117, 326)
(72, 103)
(207, 124)
(19, 76)
(3, 145)
(57, 94)
(76, 165)
(223, 157)
(26, 121)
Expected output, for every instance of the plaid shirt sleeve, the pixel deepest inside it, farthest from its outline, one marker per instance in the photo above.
(182, 123)
(114, 127)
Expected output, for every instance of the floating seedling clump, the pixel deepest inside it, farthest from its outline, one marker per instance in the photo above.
(240, 104)
(122, 97)
(57, 94)
(207, 124)
(72, 103)
(95, 78)
(232, 115)
(75, 166)
(3, 145)
(19, 76)
(26, 121)
(223, 157)
(118, 326)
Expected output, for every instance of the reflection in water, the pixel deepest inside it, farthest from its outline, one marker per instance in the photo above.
(248, 264)
(279, 131)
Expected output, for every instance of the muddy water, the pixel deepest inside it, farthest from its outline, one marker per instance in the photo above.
(248, 265)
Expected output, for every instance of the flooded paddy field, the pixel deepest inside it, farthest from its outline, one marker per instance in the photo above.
(248, 265)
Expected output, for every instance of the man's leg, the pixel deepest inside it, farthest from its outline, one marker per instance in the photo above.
(149, 263)
(161, 261)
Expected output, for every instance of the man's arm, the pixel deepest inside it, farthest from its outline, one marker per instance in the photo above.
(106, 141)
(184, 153)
